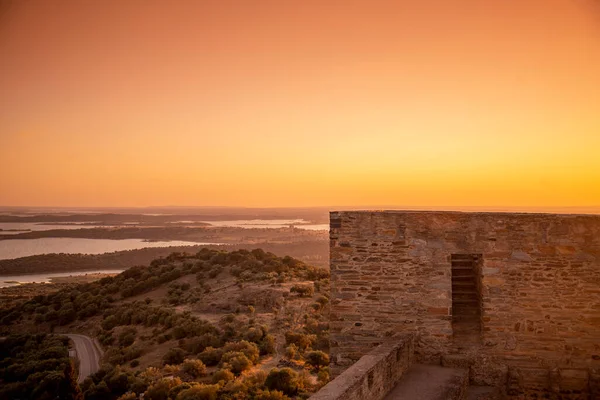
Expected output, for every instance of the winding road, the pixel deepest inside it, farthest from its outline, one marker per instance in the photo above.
(87, 353)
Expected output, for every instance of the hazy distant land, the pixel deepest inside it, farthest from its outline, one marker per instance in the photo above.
(190, 234)
(315, 252)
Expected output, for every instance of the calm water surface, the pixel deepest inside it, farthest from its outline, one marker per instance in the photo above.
(269, 223)
(14, 228)
(13, 280)
(31, 247)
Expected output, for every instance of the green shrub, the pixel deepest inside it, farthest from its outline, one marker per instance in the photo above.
(132, 353)
(267, 345)
(322, 300)
(224, 375)
(199, 392)
(109, 322)
(236, 361)
(160, 390)
(174, 356)
(284, 380)
(194, 368)
(178, 389)
(302, 340)
(128, 396)
(254, 334)
(211, 356)
(127, 337)
(303, 290)
(291, 351)
(270, 395)
(215, 272)
(250, 350)
(317, 359)
(323, 376)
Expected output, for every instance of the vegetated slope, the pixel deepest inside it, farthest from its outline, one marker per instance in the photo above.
(13, 296)
(227, 325)
(37, 367)
(315, 252)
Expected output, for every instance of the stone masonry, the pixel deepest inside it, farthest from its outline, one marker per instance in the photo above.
(524, 290)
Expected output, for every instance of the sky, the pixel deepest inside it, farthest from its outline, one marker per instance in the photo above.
(300, 103)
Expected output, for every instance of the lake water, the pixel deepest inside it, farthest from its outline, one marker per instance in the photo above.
(269, 223)
(313, 227)
(14, 228)
(30, 247)
(13, 280)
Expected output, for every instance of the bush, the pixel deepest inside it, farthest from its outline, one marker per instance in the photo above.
(174, 356)
(211, 356)
(270, 395)
(303, 341)
(323, 376)
(160, 390)
(267, 345)
(132, 353)
(214, 272)
(317, 359)
(224, 375)
(109, 322)
(128, 396)
(194, 368)
(284, 380)
(254, 334)
(291, 351)
(250, 350)
(199, 344)
(199, 392)
(322, 300)
(178, 389)
(302, 290)
(236, 361)
(163, 338)
(127, 337)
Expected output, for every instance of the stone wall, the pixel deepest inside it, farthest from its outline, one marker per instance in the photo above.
(374, 375)
(539, 283)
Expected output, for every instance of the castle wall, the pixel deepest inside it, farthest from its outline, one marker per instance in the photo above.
(374, 375)
(538, 282)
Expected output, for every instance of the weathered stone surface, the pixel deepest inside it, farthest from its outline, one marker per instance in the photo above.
(457, 361)
(374, 375)
(539, 290)
(484, 393)
(431, 382)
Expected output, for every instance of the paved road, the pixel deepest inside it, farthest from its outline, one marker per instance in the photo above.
(87, 353)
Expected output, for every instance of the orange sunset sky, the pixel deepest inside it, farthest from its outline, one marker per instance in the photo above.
(300, 103)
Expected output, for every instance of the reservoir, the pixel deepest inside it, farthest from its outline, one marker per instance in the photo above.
(30, 247)
(12, 280)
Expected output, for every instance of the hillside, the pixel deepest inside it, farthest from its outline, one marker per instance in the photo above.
(203, 234)
(226, 325)
(315, 252)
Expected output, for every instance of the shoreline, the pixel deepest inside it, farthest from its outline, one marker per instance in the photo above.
(225, 234)
(313, 252)
(80, 272)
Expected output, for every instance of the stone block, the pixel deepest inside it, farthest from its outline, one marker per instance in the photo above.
(488, 371)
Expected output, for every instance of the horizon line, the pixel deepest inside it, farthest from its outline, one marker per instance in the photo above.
(375, 206)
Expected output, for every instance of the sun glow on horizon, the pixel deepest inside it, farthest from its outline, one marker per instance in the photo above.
(275, 103)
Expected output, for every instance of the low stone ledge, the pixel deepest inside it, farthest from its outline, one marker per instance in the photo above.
(374, 375)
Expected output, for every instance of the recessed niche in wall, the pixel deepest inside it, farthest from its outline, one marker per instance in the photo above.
(466, 297)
